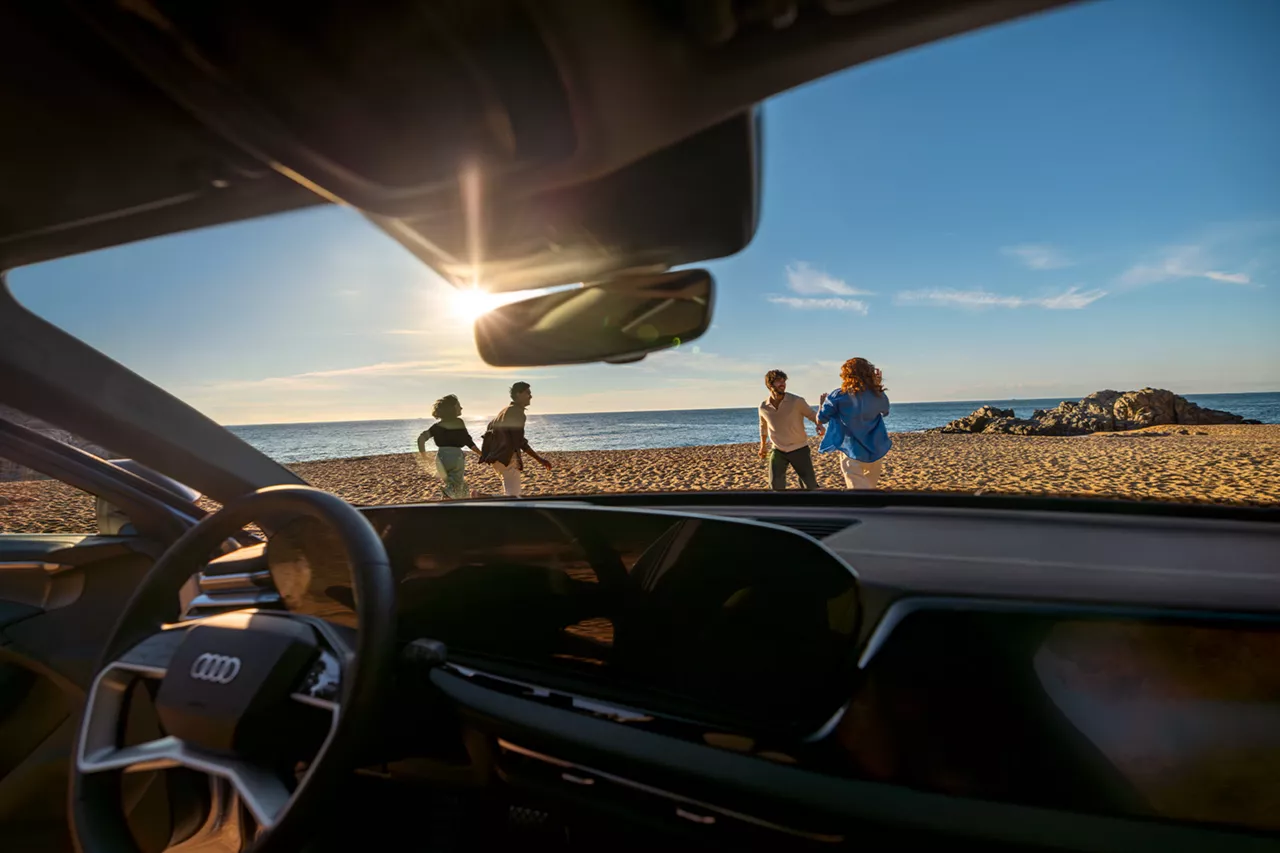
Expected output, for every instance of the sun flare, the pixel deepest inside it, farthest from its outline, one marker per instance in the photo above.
(471, 303)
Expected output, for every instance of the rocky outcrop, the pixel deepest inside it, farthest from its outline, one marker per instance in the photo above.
(1101, 411)
(978, 421)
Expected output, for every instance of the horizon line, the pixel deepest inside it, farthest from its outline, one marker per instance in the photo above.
(727, 408)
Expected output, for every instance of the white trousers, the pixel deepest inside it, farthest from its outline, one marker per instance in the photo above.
(860, 475)
(510, 478)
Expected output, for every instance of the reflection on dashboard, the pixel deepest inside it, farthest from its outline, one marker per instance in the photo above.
(309, 568)
(1190, 716)
(705, 618)
(1162, 720)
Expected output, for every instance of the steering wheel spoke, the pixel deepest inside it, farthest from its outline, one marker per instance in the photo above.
(236, 695)
(151, 657)
(265, 793)
(262, 790)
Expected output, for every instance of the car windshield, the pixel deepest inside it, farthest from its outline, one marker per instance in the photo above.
(1038, 259)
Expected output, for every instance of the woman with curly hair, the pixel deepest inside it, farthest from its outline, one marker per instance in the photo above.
(855, 414)
(450, 435)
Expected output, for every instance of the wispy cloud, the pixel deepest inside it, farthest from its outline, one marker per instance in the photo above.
(697, 361)
(831, 303)
(1071, 299)
(819, 291)
(807, 281)
(382, 368)
(1228, 277)
(460, 367)
(1179, 262)
(1038, 256)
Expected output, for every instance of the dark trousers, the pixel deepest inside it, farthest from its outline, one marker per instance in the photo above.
(800, 459)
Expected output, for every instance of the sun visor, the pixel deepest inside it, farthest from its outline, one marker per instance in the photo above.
(374, 109)
(693, 201)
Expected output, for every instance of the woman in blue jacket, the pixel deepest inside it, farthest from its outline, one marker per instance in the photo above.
(855, 416)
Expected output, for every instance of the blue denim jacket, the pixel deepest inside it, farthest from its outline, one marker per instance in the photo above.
(855, 425)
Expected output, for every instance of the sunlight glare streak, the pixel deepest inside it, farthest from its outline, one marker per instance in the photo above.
(470, 303)
(469, 184)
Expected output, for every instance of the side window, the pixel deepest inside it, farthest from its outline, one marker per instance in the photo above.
(31, 502)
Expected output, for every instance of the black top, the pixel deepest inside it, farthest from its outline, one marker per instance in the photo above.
(447, 437)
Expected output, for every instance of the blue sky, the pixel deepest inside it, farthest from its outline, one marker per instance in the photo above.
(1085, 199)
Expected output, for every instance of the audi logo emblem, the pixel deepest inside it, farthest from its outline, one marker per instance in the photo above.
(220, 669)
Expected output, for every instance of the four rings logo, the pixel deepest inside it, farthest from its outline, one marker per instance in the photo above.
(220, 669)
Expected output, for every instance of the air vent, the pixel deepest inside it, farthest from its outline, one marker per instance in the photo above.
(818, 528)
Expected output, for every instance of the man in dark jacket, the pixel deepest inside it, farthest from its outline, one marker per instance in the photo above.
(504, 441)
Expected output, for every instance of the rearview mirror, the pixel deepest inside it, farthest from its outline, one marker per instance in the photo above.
(619, 320)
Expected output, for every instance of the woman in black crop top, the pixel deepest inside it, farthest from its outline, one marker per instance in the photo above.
(450, 435)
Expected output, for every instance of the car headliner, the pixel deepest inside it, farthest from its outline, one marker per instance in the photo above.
(588, 123)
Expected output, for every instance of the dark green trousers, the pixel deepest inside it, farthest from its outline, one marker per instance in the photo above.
(801, 459)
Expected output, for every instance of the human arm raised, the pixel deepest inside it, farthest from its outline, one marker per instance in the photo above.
(808, 412)
(827, 409)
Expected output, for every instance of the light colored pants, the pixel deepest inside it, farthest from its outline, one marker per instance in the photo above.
(451, 468)
(510, 478)
(860, 475)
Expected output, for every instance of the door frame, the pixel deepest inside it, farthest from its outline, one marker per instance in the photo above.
(156, 513)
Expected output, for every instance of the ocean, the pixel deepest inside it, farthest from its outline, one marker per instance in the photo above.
(639, 430)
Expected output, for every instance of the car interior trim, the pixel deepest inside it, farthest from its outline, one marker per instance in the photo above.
(902, 608)
(563, 732)
(594, 773)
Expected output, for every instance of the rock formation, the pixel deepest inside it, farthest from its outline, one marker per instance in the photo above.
(1101, 411)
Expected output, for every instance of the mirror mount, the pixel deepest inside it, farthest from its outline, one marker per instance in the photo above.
(618, 321)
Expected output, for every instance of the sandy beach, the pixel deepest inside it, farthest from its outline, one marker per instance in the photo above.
(1221, 464)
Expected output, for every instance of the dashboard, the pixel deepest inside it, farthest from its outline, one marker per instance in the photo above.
(684, 615)
(1087, 669)
(1169, 716)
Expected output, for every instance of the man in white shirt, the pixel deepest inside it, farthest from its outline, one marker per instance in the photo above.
(782, 417)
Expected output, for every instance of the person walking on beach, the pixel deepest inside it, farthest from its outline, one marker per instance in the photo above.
(504, 441)
(855, 414)
(782, 417)
(450, 435)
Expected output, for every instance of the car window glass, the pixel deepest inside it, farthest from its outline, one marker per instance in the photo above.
(33, 502)
(1052, 244)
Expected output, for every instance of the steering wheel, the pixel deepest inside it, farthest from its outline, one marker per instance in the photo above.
(235, 688)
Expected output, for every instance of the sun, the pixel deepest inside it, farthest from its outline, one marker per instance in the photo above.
(471, 303)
